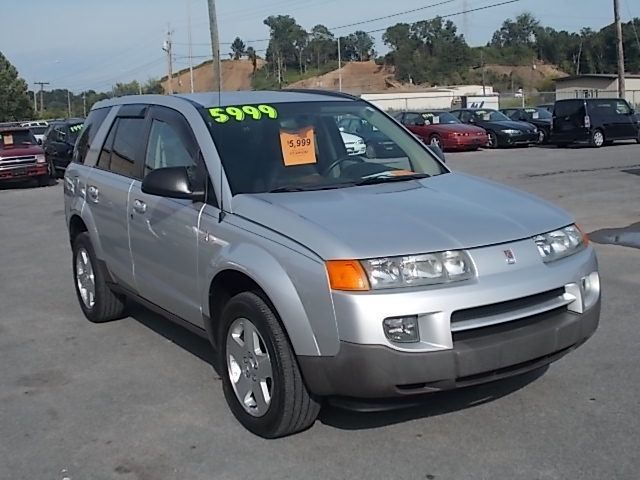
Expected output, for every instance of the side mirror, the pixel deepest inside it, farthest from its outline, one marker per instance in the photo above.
(437, 151)
(172, 182)
(39, 141)
(419, 123)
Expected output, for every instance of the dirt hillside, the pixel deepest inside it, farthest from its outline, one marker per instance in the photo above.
(357, 77)
(527, 74)
(236, 75)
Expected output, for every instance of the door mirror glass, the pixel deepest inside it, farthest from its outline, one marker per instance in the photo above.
(172, 182)
(419, 123)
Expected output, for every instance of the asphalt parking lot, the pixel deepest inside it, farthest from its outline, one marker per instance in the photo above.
(139, 398)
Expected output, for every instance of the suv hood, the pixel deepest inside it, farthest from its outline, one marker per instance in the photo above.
(20, 151)
(447, 212)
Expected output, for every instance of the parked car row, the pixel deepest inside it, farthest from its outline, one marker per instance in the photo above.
(38, 149)
(597, 122)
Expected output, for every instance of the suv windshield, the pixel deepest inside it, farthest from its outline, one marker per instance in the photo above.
(435, 118)
(16, 138)
(490, 116)
(299, 146)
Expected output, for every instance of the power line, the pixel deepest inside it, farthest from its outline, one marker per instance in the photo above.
(392, 15)
(486, 7)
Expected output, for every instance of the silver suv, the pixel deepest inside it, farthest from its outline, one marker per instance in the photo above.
(313, 272)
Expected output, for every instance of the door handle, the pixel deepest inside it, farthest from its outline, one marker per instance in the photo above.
(139, 206)
(93, 193)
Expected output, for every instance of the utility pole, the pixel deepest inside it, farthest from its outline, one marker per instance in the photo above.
(484, 82)
(167, 47)
(42, 84)
(190, 44)
(215, 46)
(35, 101)
(68, 103)
(84, 103)
(621, 85)
(339, 65)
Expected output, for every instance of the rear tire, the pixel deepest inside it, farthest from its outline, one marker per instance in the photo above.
(597, 138)
(102, 304)
(290, 407)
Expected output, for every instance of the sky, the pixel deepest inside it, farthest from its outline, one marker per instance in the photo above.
(92, 44)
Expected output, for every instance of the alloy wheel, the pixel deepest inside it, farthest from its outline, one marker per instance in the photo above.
(85, 278)
(249, 367)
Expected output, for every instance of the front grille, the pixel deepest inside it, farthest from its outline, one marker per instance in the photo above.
(17, 161)
(510, 310)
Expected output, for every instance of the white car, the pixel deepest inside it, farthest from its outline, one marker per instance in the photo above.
(355, 144)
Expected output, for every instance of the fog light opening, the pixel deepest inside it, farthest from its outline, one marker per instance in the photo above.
(590, 289)
(402, 329)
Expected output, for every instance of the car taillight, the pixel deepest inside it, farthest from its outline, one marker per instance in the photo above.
(587, 121)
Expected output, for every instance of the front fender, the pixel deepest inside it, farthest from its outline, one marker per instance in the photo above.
(297, 287)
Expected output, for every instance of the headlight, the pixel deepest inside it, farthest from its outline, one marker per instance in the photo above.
(511, 131)
(560, 243)
(40, 159)
(360, 142)
(418, 270)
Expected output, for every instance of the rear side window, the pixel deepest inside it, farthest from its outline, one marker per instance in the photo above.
(91, 126)
(569, 109)
(126, 146)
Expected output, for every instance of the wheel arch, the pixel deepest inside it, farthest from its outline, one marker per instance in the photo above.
(270, 280)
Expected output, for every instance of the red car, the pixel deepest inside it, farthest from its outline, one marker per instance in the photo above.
(444, 130)
(21, 157)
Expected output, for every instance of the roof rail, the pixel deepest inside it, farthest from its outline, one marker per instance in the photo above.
(317, 91)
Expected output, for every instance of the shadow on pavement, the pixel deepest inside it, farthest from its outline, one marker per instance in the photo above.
(431, 405)
(189, 341)
(423, 406)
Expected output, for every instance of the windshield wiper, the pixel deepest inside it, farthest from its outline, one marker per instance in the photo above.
(389, 179)
(310, 188)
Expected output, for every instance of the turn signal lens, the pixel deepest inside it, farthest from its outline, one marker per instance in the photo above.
(585, 237)
(347, 275)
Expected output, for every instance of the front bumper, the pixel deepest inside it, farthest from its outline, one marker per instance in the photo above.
(22, 172)
(465, 142)
(521, 139)
(491, 353)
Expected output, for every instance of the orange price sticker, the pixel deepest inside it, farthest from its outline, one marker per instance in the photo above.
(298, 147)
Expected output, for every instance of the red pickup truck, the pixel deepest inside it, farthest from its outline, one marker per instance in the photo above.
(21, 157)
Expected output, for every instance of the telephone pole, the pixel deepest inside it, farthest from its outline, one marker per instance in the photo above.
(190, 45)
(84, 103)
(167, 47)
(215, 46)
(621, 83)
(42, 84)
(69, 103)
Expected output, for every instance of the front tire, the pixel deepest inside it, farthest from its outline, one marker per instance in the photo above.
(97, 301)
(260, 375)
(493, 140)
(44, 180)
(597, 139)
(437, 141)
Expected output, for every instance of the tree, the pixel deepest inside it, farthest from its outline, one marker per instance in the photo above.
(362, 45)
(429, 51)
(518, 33)
(238, 48)
(251, 55)
(322, 45)
(286, 44)
(14, 100)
